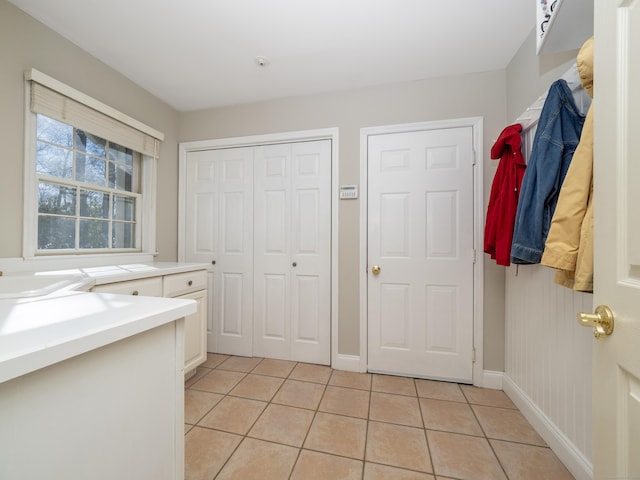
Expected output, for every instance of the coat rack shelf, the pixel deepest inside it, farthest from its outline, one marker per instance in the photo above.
(562, 25)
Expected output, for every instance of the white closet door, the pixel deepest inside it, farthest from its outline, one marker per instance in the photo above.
(219, 225)
(292, 251)
(420, 239)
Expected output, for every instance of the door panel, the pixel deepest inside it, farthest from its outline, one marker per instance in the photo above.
(272, 251)
(201, 207)
(420, 221)
(616, 358)
(219, 227)
(275, 313)
(292, 243)
(311, 252)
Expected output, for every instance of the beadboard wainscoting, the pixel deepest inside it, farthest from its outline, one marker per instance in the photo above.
(548, 362)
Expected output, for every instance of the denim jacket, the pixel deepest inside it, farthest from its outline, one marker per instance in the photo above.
(556, 138)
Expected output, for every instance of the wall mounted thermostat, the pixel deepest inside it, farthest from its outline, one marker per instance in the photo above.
(348, 192)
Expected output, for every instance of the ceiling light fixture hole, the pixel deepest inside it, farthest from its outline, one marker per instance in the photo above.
(262, 61)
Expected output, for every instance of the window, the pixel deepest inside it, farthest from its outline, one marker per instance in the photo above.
(88, 189)
(89, 176)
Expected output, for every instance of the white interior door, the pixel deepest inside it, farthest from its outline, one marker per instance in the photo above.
(219, 223)
(616, 359)
(420, 235)
(292, 251)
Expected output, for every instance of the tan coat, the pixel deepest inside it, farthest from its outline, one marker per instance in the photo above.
(569, 245)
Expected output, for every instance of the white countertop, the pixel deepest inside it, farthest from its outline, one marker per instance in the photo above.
(133, 271)
(42, 330)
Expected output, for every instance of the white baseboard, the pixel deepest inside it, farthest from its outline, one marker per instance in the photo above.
(350, 363)
(491, 379)
(579, 466)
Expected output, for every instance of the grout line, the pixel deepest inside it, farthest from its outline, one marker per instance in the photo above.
(487, 440)
(426, 438)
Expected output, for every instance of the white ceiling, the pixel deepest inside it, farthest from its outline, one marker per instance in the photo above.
(196, 54)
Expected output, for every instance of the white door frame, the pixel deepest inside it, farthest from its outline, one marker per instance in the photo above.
(268, 139)
(478, 199)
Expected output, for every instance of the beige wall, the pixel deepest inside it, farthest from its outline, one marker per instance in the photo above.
(436, 99)
(529, 75)
(26, 43)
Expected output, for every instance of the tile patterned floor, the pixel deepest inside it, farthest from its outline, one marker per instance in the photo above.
(253, 418)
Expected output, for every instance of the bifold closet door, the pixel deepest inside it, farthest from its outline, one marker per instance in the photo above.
(292, 251)
(219, 229)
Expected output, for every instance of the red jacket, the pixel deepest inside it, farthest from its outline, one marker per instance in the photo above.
(501, 213)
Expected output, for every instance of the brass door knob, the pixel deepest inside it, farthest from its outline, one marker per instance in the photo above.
(375, 270)
(601, 321)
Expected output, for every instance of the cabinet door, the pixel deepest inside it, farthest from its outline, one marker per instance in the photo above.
(292, 251)
(219, 229)
(195, 331)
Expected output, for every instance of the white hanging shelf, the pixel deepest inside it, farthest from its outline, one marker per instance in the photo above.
(562, 25)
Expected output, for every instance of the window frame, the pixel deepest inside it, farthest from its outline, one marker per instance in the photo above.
(145, 215)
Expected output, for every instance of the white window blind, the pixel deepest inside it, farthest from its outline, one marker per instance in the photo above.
(94, 117)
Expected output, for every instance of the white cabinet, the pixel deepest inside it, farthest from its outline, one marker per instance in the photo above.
(193, 286)
(188, 285)
(115, 412)
(195, 329)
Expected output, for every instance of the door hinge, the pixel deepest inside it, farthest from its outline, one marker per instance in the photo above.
(473, 356)
(475, 154)
(474, 256)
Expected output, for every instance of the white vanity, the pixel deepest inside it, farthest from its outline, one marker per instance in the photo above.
(164, 279)
(92, 383)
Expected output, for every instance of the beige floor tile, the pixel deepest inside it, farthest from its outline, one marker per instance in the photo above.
(391, 384)
(206, 451)
(299, 394)
(342, 378)
(240, 364)
(395, 409)
(487, 396)
(197, 404)
(274, 368)
(255, 459)
(258, 387)
(218, 381)
(373, 471)
(463, 457)
(345, 401)
(398, 446)
(214, 359)
(320, 466)
(235, 415)
(449, 416)
(311, 373)
(507, 424)
(339, 435)
(439, 390)
(282, 424)
(526, 462)
(200, 372)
